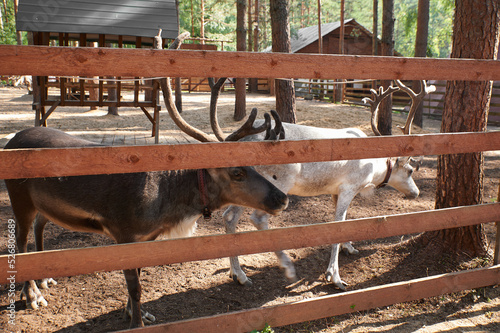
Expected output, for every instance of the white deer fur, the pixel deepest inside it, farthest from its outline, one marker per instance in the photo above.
(342, 179)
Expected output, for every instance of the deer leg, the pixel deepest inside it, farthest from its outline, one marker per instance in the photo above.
(30, 290)
(347, 247)
(333, 272)
(231, 217)
(133, 307)
(39, 224)
(260, 221)
(147, 317)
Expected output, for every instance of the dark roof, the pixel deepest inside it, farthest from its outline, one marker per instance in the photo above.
(111, 17)
(308, 35)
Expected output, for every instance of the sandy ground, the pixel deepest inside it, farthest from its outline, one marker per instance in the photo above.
(94, 302)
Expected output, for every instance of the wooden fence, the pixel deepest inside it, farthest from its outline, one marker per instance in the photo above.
(18, 60)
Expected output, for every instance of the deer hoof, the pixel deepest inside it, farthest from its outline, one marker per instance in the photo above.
(148, 318)
(46, 282)
(34, 298)
(349, 249)
(246, 281)
(338, 283)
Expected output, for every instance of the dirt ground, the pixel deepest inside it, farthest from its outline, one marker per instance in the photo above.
(95, 302)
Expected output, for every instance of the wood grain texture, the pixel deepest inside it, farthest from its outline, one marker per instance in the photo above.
(58, 263)
(333, 305)
(44, 61)
(29, 163)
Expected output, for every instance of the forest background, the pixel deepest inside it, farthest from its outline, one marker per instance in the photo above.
(219, 21)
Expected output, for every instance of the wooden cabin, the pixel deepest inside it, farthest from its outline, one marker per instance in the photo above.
(357, 39)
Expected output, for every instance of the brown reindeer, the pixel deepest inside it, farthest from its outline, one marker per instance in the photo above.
(131, 207)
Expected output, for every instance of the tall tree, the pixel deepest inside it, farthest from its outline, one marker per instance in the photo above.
(476, 34)
(178, 81)
(241, 45)
(385, 111)
(421, 50)
(375, 28)
(253, 38)
(280, 26)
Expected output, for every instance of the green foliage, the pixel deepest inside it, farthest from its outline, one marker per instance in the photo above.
(8, 33)
(267, 329)
(440, 27)
(220, 21)
(219, 17)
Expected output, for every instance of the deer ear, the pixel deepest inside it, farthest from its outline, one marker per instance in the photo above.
(400, 161)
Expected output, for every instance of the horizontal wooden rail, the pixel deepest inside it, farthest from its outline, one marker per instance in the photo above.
(88, 62)
(58, 263)
(333, 305)
(26, 163)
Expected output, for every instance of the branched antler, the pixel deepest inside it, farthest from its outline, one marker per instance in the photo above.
(375, 103)
(278, 132)
(416, 99)
(248, 129)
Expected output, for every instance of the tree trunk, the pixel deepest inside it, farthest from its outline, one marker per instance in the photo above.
(253, 21)
(280, 27)
(339, 93)
(385, 111)
(241, 45)
(375, 28)
(476, 34)
(421, 50)
(202, 21)
(178, 81)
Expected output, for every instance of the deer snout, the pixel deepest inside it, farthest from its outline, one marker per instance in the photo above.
(277, 202)
(414, 193)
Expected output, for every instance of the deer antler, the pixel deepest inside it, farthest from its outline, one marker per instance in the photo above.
(278, 132)
(215, 92)
(247, 128)
(375, 102)
(416, 99)
(169, 102)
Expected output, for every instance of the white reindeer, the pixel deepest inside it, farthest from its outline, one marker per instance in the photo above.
(342, 179)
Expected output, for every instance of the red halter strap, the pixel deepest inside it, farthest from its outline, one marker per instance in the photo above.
(207, 213)
(388, 174)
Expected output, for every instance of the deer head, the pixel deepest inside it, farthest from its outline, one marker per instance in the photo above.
(402, 170)
(416, 99)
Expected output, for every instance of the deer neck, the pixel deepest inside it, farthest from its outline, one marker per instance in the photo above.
(388, 173)
(190, 196)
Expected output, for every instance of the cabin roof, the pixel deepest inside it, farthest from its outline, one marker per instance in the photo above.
(309, 35)
(138, 18)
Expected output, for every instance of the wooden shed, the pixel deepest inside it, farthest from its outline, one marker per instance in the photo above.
(357, 39)
(106, 23)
